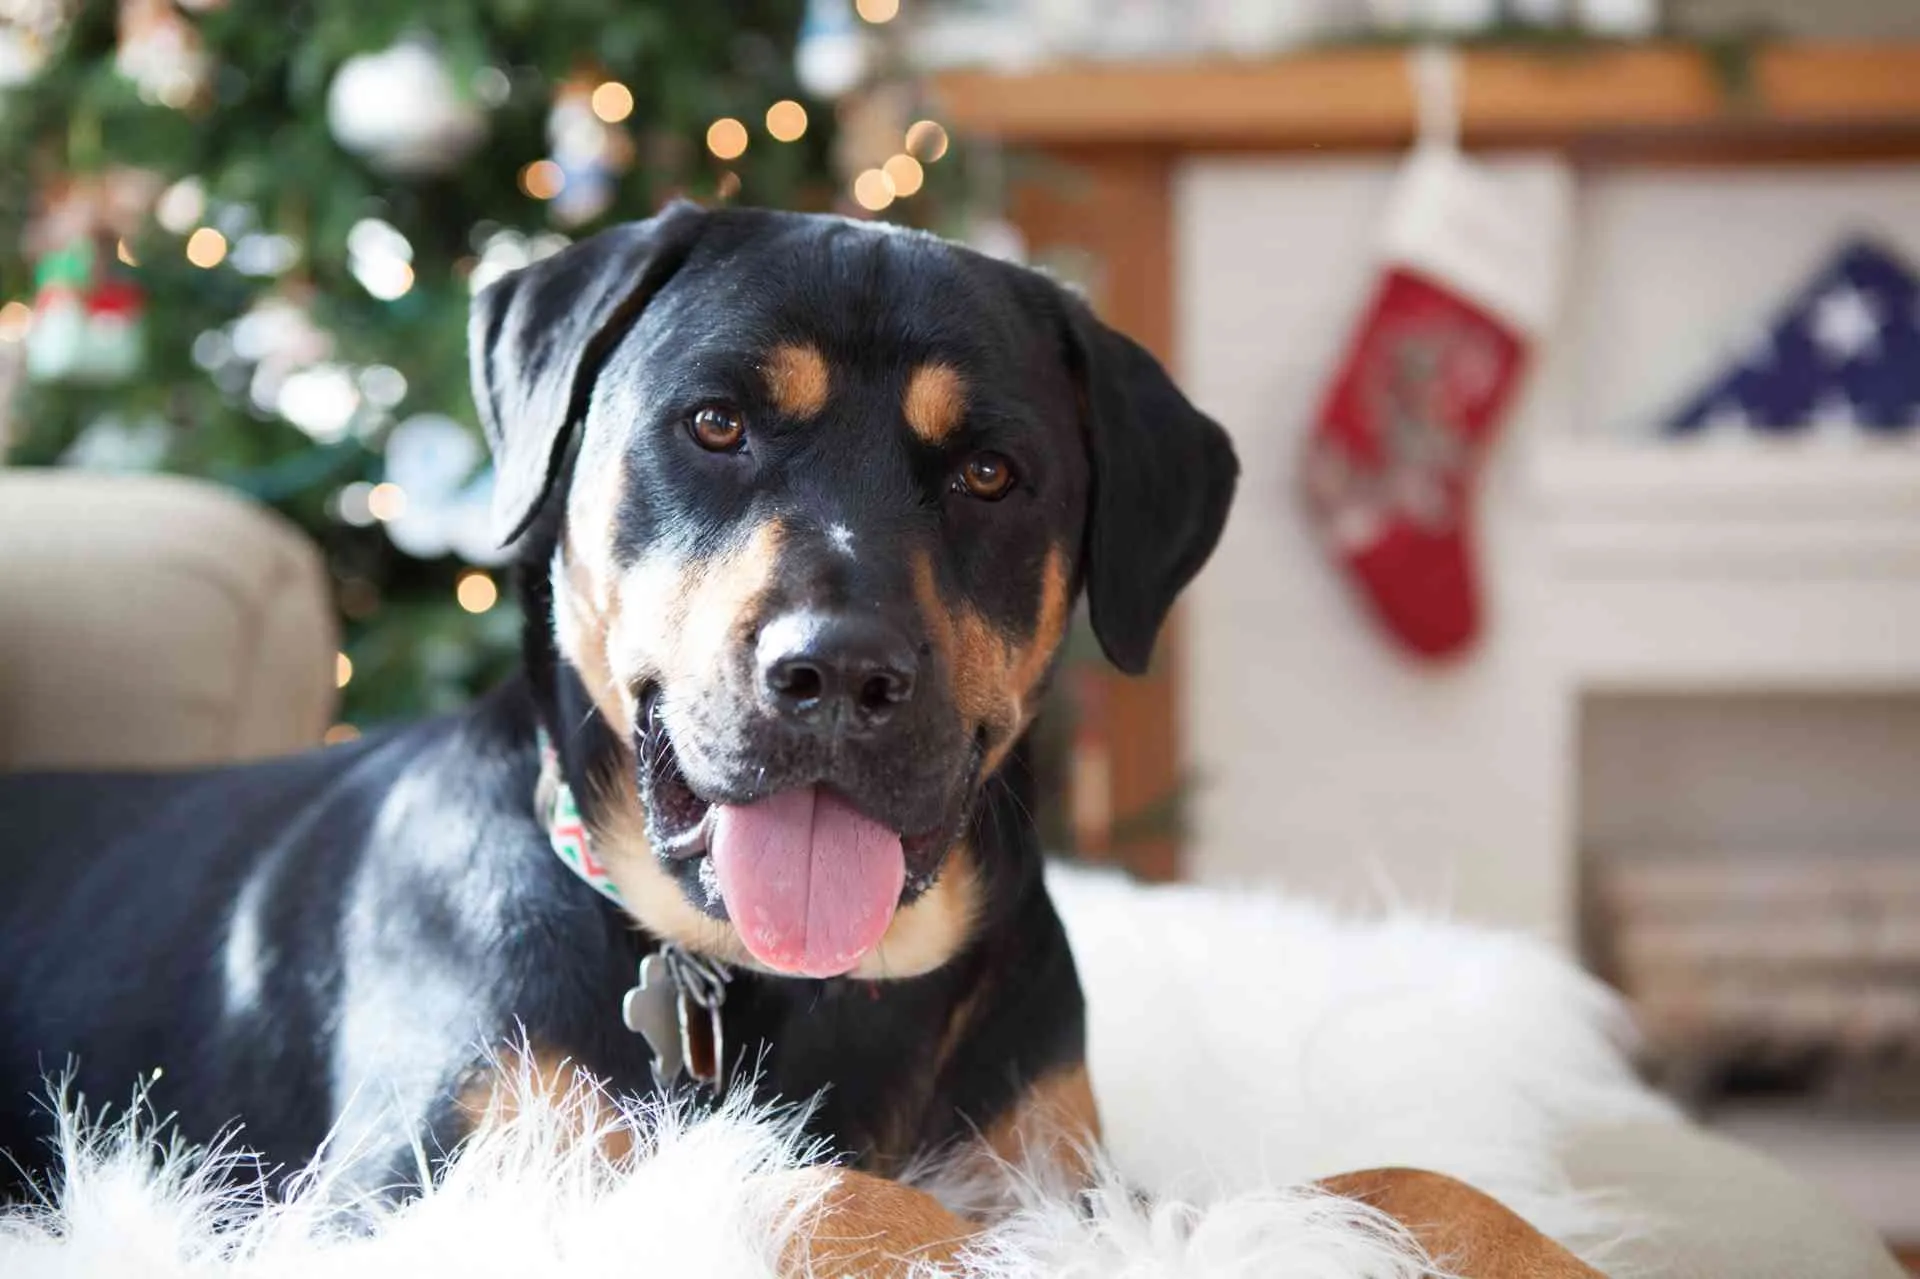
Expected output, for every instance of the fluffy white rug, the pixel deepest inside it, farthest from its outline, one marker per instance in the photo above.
(1242, 1045)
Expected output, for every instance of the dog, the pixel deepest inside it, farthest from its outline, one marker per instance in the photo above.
(802, 508)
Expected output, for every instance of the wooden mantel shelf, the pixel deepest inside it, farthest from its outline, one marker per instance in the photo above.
(1803, 97)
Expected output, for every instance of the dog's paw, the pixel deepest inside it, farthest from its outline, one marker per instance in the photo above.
(1465, 1232)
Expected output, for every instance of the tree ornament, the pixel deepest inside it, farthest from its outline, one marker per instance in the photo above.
(28, 29)
(112, 444)
(1620, 19)
(21, 56)
(87, 318)
(161, 53)
(273, 344)
(448, 509)
(590, 152)
(833, 53)
(401, 112)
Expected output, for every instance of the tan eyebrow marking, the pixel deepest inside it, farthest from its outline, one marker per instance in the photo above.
(935, 402)
(798, 380)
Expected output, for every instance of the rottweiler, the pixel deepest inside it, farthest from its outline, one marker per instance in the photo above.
(801, 508)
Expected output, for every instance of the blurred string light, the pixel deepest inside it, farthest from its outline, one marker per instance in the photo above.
(728, 186)
(905, 173)
(612, 102)
(542, 179)
(387, 501)
(206, 248)
(353, 504)
(873, 190)
(926, 140)
(261, 253)
(124, 252)
(321, 400)
(476, 591)
(492, 87)
(339, 734)
(877, 11)
(342, 670)
(16, 319)
(786, 120)
(383, 385)
(181, 206)
(381, 258)
(503, 252)
(727, 138)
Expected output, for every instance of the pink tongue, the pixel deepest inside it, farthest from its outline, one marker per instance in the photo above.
(810, 884)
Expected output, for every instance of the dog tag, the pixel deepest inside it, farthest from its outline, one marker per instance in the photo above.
(654, 1010)
(702, 1043)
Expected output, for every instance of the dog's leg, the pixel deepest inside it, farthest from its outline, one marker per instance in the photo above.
(1055, 1124)
(1467, 1233)
(877, 1229)
(866, 1225)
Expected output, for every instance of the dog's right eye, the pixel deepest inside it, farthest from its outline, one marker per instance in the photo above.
(717, 428)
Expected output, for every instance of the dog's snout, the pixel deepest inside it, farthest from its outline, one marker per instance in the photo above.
(835, 670)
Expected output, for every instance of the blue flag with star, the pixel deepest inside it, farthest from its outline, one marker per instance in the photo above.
(1844, 355)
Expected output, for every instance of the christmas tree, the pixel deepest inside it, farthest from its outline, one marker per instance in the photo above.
(239, 242)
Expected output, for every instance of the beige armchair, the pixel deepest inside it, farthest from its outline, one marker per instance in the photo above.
(150, 622)
(155, 622)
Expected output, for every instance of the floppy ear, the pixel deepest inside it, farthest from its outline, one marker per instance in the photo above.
(536, 338)
(1163, 477)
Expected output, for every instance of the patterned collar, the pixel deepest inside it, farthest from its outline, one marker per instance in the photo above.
(566, 831)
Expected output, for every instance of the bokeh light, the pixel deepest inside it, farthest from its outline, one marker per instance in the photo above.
(476, 592)
(206, 248)
(727, 138)
(926, 140)
(905, 173)
(542, 179)
(387, 501)
(612, 102)
(786, 120)
(873, 190)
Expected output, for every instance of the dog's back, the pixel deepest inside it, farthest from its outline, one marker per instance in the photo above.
(196, 931)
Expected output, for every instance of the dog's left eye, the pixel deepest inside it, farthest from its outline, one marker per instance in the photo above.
(987, 476)
(717, 428)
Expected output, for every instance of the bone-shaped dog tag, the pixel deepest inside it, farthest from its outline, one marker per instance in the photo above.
(652, 1011)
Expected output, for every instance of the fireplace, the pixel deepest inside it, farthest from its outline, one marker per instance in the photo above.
(1754, 867)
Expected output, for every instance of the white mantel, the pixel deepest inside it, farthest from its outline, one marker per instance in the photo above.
(1323, 758)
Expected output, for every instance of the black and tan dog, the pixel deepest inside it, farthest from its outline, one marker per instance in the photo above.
(803, 508)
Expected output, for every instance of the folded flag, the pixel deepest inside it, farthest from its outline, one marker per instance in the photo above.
(1844, 355)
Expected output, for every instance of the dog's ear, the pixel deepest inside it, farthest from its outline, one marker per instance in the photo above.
(1163, 478)
(536, 338)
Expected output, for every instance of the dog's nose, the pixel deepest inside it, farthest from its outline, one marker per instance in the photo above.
(835, 669)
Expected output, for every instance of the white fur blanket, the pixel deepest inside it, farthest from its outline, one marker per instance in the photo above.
(1241, 1045)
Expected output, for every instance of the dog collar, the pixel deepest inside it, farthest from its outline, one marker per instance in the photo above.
(566, 831)
(675, 1005)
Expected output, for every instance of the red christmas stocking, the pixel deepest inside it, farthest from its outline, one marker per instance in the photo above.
(1470, 278)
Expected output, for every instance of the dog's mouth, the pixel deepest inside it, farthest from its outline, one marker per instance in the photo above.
(809, 881)
(678, 820)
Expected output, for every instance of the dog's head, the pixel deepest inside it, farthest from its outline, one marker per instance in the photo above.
(822, 497)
